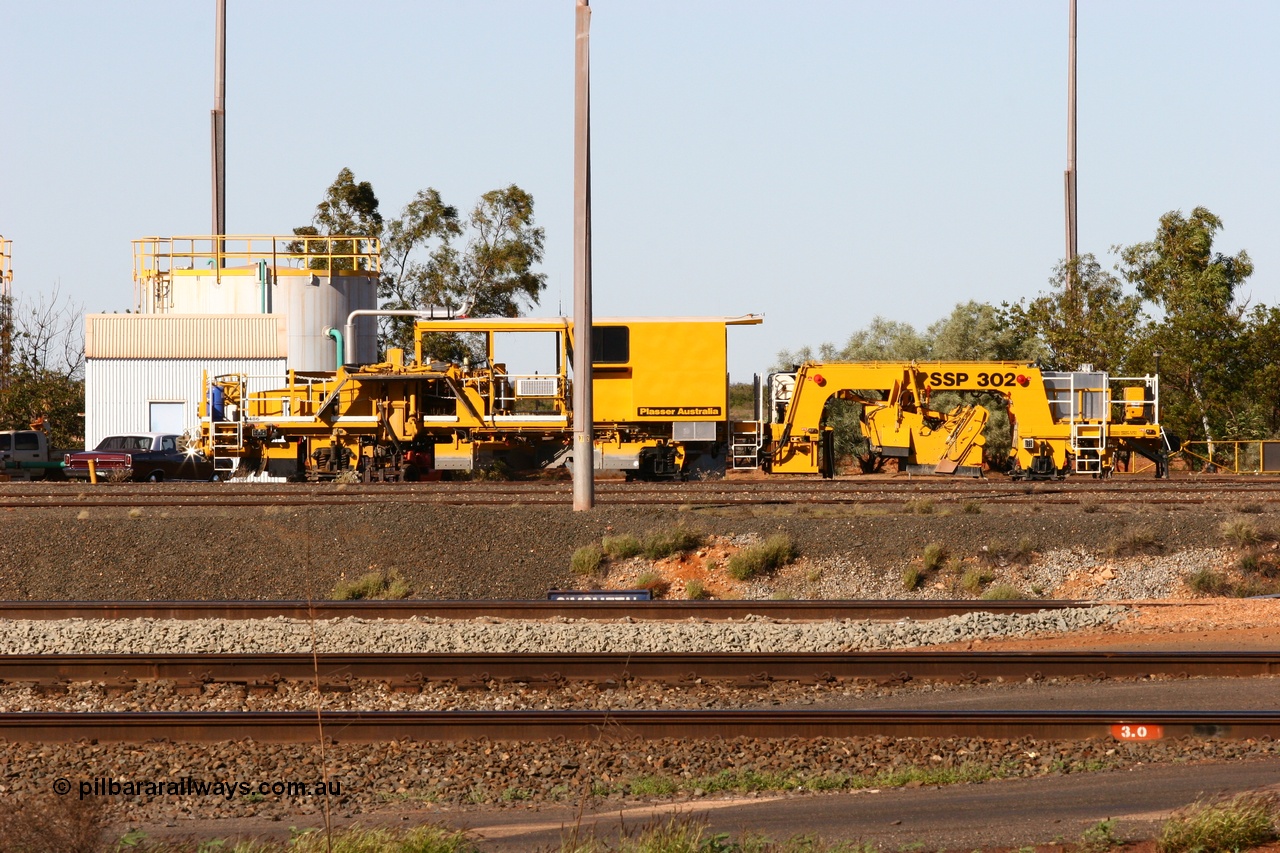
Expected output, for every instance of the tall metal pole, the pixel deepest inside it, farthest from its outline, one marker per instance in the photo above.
(584, 497)
(1073, 246)
(219, 120)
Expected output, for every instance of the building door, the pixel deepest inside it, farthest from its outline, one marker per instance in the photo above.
(168, 417)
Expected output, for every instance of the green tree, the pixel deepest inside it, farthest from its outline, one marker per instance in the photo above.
(418, 261)
(977, 331)
(1257, 412)
(491, 275)
(1202, 331)
(1091, 322)
(349, 209)
(46, 379)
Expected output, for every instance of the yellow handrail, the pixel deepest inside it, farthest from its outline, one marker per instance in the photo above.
(1234, 456)
(354, 254)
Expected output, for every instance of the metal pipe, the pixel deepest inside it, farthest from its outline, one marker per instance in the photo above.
(262, 282)
(349, 351)
(339, 351)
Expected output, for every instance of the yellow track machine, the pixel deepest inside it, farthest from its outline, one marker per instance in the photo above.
(660, 404)
(1063, 422)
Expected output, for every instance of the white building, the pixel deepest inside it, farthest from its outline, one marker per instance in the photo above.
(257, 306)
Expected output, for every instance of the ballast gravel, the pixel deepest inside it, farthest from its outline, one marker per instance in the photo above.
(441, 636)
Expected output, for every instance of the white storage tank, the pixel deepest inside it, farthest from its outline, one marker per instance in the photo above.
(314, 283)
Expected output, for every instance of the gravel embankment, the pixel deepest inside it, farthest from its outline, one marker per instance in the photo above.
(282, 551)
(407, 774)
(752, 634)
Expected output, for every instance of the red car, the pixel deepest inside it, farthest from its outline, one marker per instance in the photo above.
(143, 457)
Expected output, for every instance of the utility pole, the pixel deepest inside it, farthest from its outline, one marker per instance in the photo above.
(1073, 245)
(584, 457)
(219, 128)
(6, 313)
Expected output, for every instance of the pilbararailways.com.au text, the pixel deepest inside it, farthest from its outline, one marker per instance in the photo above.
(188, 787)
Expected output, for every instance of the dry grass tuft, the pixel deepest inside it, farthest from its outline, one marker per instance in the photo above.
(587, 560)
(677, 540)
(776, 551)
(373, 586)
(934, 556)
(1245, 821)
(654, 582)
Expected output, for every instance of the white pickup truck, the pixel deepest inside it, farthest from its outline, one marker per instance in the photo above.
(24, 455)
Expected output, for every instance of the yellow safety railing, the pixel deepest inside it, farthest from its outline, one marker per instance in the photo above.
(1254, 456)
(351, 254)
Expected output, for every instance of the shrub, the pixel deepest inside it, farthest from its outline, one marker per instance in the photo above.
(1003, 592)
(654, 582)
(1240, 532)
(934, 556)
(1208, 582)
(975, 579)
(677, 540)
(919, 506)
(1245, 821)
(972, 508)
(379, 585)
(587, 560)
(1099, 838)
(695, 591)
(775, 552)
(38, 822)
(1249, 563)
(911, 578)
(1142, 540)
(621, 547)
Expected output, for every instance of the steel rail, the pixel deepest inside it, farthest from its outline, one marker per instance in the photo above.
(415, 670)
(721, 484)
(810, 609)
(701, 497)
(381, 726)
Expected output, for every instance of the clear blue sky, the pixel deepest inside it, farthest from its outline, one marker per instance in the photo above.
(820, 162)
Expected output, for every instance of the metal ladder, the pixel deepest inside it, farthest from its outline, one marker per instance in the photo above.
(1088, 441)
(745, 441)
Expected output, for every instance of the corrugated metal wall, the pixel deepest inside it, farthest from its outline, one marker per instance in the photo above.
(118, 391)
(184, 336)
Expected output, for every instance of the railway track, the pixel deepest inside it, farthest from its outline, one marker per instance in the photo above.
(812, 609)
(413, 671)
(382, 726)
(710, 494)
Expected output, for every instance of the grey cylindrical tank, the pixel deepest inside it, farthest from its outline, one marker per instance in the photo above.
(313, 304)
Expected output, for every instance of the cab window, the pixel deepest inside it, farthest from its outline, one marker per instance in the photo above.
(610, 344)
(26, 441)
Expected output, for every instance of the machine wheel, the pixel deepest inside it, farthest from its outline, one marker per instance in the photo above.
(155, 477)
